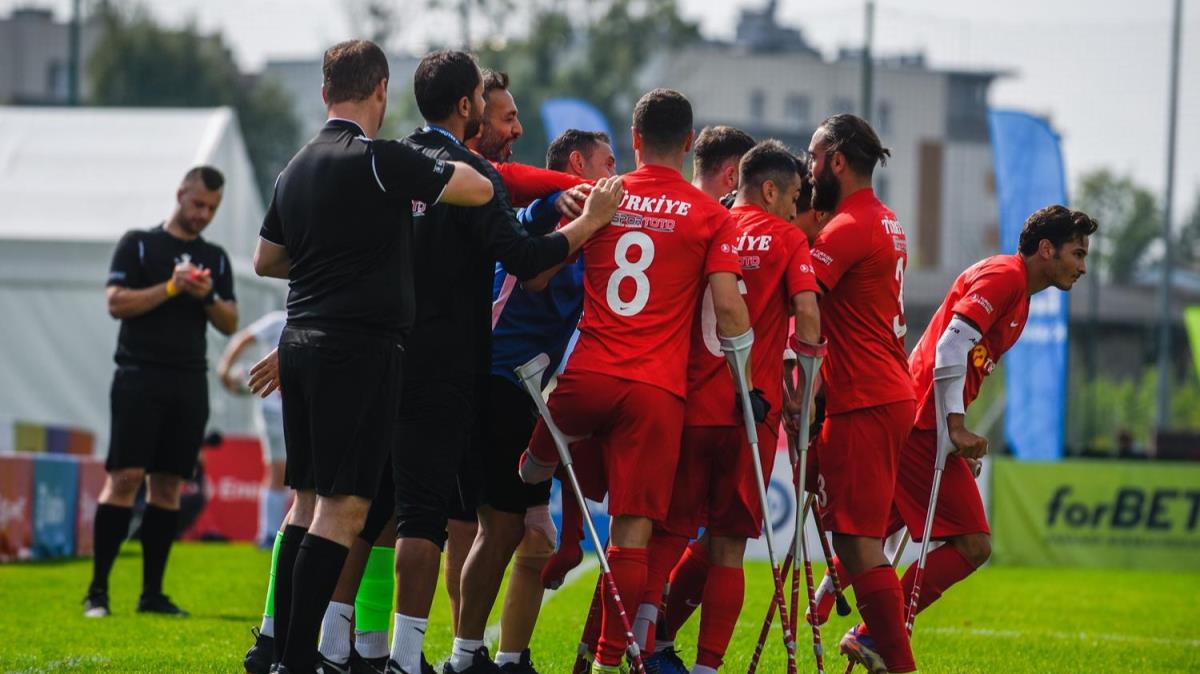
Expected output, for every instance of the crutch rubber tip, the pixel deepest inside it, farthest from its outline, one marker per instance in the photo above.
(843, 606)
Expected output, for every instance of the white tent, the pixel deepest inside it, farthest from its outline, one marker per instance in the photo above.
(72, 181)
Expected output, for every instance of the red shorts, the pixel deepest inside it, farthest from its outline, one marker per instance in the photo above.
(634, 429)
(857, 461)
(715, 485)
(959, 507)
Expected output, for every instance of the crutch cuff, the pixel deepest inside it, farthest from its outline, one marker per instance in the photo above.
(949, 372)
(741, 342)
(803, 348)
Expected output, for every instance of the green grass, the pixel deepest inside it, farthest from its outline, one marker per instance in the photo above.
(1002, 620)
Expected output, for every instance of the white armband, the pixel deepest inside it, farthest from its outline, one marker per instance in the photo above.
(953, 349)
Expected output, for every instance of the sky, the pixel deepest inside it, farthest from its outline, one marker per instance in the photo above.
(1097, 68)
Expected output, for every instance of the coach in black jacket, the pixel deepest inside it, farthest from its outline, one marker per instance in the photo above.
(449, 350)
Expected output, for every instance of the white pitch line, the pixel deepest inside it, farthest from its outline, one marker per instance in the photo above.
(1064, 636)
(589, 564)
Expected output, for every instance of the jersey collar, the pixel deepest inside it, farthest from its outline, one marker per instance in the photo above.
(341, 121)
(858, 198)
(437, 129)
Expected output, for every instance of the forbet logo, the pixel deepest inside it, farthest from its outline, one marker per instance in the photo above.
(1162, 509)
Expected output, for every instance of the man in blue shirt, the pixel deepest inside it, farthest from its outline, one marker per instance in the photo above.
(538, 316)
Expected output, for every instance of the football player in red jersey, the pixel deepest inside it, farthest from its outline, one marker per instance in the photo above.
(626, 380)
(860, 258)
(715, 159)
(715, 486)
(982, 316)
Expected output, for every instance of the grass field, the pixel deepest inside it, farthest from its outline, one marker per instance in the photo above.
(1003, 620)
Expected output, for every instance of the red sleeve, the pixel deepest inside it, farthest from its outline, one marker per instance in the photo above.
(526, 183)
(800, 276)
(989, 295)
(836, 249)
(722, 250)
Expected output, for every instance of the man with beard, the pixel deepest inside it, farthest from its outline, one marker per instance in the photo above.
(339, 229)
(527, 319)
(860, 258)
(165, 285)
(449, 351)
(980, 319)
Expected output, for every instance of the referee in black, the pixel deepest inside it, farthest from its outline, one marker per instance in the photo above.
(165, 285)
(450, 348)
(339, 229)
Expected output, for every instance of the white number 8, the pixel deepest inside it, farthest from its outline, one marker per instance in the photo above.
(629, 269)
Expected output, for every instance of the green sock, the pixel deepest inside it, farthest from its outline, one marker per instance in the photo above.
(269, 609)
(373, 604)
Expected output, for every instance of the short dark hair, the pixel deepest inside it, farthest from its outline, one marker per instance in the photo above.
(718, 144)
(352, 69)
(570, 141)
(769, 160)
(494, 80)
(211, 178)
(804, 200)
(857, 141)
(663, 118)
(1056, 224)
(442, 79)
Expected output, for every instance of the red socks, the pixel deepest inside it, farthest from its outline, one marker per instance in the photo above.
(661, 555)
(943, 568)
(687, 588)
(881, 604)
(723, 595)
(629, 573)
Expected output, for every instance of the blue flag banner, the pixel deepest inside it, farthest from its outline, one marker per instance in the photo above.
(55, 487)
(560, 114)
(1029, 175)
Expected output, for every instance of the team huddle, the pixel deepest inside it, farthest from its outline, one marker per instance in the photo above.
(427, 318)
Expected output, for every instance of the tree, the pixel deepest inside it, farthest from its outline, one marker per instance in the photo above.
(1188, 250)
(597, 59)
(1129, 217)
(139, 63)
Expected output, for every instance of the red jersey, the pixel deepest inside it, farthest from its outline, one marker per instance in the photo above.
(860, 258)
(775, 267)
(994, 295)
(644, 276)
(526, 183)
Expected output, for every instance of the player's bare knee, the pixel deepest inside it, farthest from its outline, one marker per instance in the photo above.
(541, 536)
(303, 505)
(164, 490)
(977, 548)
(726, 551)
(122, 485)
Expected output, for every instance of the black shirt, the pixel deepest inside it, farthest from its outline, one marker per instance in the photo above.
(456, 253)
(343, 210)
(172, 335)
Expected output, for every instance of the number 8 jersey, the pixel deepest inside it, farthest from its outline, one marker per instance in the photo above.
(644, 275)
(859, 257)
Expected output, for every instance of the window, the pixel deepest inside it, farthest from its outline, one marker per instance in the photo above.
(883, 119)
(758, 106)
(798, 111)
(842, 104)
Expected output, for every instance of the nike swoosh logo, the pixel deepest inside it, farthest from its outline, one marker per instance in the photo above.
(419, 630)
(690, 603)
(1014, 324)
(345, 617)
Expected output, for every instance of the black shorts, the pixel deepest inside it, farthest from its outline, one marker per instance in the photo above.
(341, 398)
(158, 420)
(507, 425)
(436, 421)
